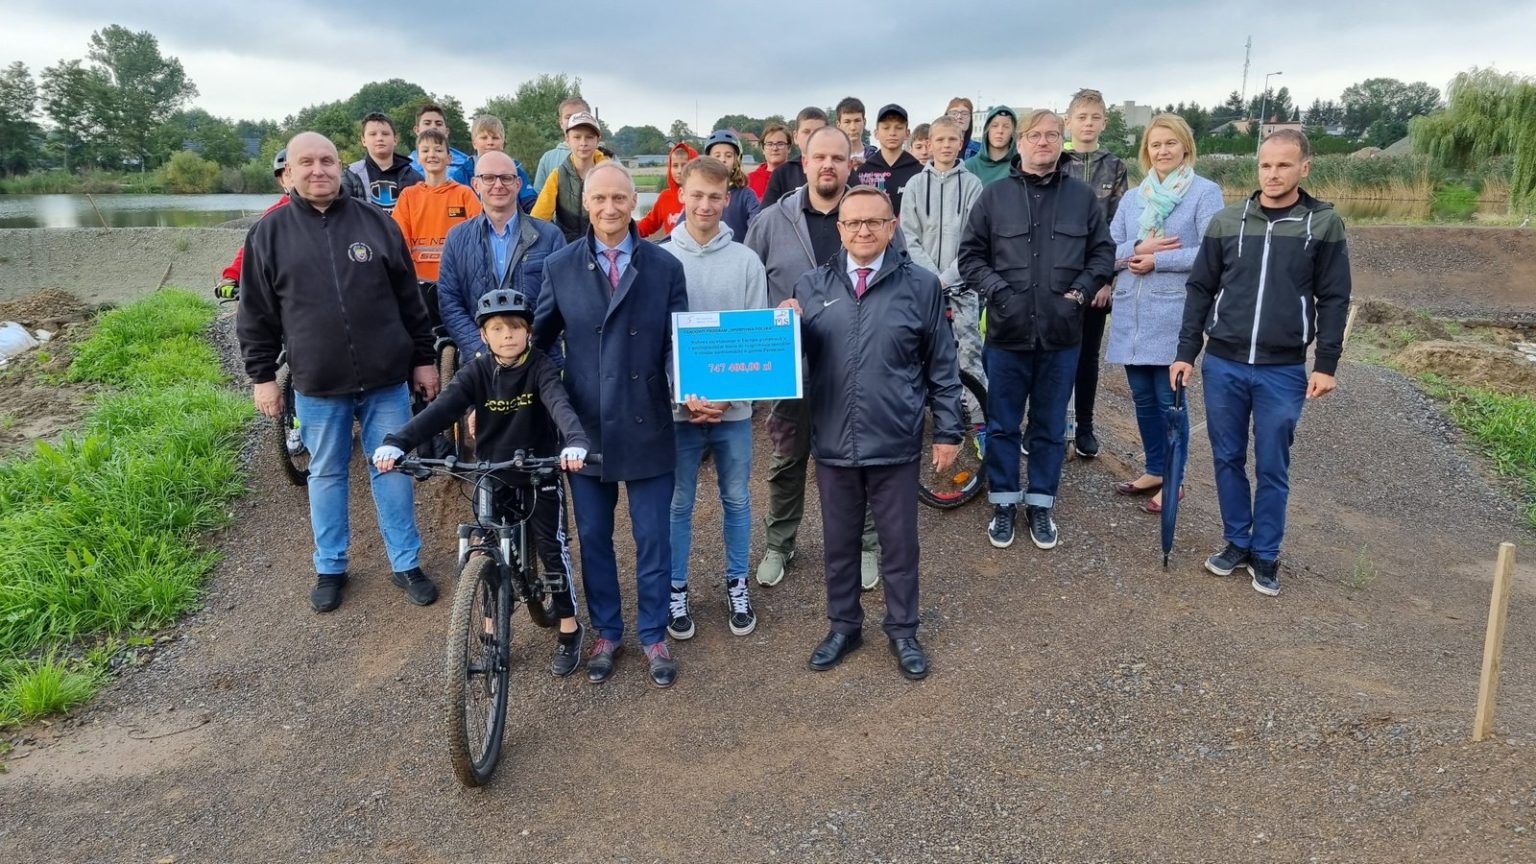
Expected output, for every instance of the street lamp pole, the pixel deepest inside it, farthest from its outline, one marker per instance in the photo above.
(1263, 108)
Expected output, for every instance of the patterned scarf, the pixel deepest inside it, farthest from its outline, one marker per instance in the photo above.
(1159, 199)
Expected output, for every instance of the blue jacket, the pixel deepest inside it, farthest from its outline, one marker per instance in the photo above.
(618, 348)
(468, 272)
(740, 212)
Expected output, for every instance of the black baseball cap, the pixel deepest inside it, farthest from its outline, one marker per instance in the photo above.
(890, 109)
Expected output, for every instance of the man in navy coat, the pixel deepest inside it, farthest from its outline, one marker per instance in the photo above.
(612, 295)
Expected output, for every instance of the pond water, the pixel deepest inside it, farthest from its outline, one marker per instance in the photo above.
(152, 211)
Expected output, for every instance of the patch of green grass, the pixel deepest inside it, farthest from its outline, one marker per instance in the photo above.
(99, 533)
(1503, 426)
(43, 687)
(1365, 570)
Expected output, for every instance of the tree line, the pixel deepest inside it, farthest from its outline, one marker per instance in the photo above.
(126, 106)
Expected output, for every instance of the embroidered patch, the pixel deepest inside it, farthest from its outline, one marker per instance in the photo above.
(455, 212)
(360, 252)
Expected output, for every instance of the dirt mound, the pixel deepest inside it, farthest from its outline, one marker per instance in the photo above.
(1391, 316)
(1487, 366)
(1458, 272)
(48, 309)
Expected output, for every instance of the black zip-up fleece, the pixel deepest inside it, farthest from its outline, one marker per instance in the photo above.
(522, 406)
(339, 290)
(1261, 291)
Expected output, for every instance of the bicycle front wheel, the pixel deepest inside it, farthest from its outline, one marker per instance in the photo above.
(479, 645)
(962, 481)
(292, 454)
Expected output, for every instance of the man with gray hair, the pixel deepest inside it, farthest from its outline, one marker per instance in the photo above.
(611, 296)
(329, 279)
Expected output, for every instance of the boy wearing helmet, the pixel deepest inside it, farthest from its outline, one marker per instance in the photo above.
(229, 283)
(520, 404)
(744, 204)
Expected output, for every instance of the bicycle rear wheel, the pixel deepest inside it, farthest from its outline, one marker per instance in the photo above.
(292, 454)
(479, 645)
(962, 481)
(458, 433)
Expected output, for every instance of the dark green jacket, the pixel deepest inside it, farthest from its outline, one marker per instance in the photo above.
(1261, 291)
(989, 170)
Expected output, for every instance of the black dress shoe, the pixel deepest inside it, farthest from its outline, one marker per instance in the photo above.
(911, 657)
(833, 649)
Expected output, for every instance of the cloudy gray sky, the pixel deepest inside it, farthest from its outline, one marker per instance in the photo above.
(657, 62)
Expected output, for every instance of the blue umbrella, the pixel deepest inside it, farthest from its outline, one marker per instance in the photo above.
(1176, 420)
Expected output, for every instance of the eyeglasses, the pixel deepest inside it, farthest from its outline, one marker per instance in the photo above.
(958, 113)
(767, 144)
(493, 179)
(857, 225)
(1037, 136)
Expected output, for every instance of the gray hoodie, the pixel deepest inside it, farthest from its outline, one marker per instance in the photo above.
(934, 208)
(721, 276)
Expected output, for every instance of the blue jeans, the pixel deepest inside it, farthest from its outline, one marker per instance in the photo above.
(732, 446)
(1271, 398)
(1153, 396)
(1043, 380)
(595, 502)
(325, 424)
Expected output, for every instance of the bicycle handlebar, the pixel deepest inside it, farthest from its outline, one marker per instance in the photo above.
(519, 461)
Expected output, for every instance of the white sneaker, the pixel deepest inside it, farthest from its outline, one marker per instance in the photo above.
(771, 571)
(869, 570)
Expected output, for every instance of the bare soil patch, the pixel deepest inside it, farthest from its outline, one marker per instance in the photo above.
(1490, 367)
(37, 402)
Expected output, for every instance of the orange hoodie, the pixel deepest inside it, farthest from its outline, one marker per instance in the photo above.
(669, 204)
(425, 213)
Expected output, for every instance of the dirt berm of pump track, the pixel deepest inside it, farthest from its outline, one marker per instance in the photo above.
(1086, 705)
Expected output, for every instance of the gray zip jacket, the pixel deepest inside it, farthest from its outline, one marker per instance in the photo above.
(721, 276)
(934, 207)
(874, 364)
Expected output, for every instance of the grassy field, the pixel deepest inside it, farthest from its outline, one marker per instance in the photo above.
(99, 537)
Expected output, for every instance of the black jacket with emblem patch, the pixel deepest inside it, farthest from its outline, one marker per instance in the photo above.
(338, 289)
(518, 407)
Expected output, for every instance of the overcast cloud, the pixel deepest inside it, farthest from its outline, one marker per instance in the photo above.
(652, 63)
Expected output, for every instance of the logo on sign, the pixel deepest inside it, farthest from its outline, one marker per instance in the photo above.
(362, 253)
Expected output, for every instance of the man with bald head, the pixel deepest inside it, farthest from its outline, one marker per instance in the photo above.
(329, 279)
(611, 296)
(500, 248)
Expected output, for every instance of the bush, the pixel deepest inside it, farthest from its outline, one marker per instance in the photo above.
(190, 173)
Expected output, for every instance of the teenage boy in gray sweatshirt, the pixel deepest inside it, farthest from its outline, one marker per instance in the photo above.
(934, 209)
(721, 276)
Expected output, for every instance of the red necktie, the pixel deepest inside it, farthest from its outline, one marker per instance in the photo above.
(863, 283)
(613, 268)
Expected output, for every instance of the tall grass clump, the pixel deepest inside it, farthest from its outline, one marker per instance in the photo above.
(99, 532)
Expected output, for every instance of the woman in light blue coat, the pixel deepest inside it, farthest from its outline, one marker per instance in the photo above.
(1157, 232)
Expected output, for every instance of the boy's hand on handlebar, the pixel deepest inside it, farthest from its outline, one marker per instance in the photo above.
(573, 458)
(386, 456)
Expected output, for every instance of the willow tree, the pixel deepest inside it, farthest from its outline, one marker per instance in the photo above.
(1488, 114)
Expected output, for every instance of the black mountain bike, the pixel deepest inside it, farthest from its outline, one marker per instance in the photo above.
(292, 454)
(962, 481)
(497, 570)
(445, 353)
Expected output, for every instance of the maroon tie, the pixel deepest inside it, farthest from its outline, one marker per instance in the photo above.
(863, 283)
(613, 268)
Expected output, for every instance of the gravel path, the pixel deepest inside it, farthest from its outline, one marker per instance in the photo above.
(1086, 705)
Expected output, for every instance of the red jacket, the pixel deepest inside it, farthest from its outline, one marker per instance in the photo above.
(232, 272)
(669, 204)
(758, 179)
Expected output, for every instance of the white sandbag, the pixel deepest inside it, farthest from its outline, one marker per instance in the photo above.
(14, 339)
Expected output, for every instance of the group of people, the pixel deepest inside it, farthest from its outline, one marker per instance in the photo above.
(906, 260)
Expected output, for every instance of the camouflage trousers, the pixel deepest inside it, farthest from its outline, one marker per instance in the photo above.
(967, 327)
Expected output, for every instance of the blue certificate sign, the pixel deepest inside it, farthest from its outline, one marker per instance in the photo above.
(743, 354)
